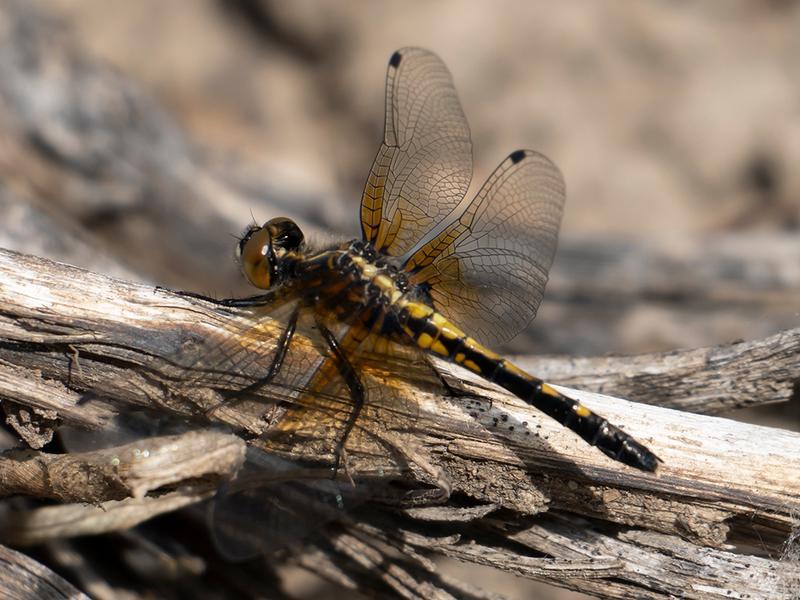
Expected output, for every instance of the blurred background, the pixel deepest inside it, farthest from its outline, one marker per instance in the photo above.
(140, 138)
(676, 127)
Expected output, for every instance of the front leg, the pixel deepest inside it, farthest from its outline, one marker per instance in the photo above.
(281, 348)
(269, 298)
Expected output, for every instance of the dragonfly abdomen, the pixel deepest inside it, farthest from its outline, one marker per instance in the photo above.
(434, 333)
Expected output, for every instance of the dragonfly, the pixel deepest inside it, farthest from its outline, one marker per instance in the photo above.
(435, 274)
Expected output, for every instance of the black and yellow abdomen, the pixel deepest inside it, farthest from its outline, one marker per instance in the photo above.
(435, 334)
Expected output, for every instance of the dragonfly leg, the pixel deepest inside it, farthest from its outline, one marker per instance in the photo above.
(274, 368)
(451, 391)
(257, 300)
(357, 392)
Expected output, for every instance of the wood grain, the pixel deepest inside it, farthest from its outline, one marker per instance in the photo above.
(727, 491)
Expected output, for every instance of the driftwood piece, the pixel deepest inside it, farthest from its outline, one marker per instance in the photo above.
(679, 292)
(94, 172)
(705, 380)
(723, 485)
(116, 481)
(121, 472)
(23, 577)
(755, 269)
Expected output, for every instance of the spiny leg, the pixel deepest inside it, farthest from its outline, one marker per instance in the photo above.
(281, 348)
(357, 393)
(250, 301)
(449, 389)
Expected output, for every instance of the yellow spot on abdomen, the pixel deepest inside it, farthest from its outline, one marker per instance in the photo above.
(446, 328)
(418, 311)
(550, 391)
(472, 344)
(512, 368)
(472, 366)
(424, 341)
(582, 411)
(438, 348)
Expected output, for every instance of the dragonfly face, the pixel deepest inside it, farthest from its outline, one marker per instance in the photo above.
(431, 271)
(261, 250)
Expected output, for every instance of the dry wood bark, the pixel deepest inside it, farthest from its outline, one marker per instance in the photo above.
(94, 172)
(705, 380)
(722, 505)
(23, 577)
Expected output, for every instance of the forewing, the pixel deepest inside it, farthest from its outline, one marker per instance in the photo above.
(424, 165)
(223, 369)
(487, 270)
(318, 417)
(303, 411)
(274, 503)
(277, 502)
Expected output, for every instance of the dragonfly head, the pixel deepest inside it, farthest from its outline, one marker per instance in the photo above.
(261, 250)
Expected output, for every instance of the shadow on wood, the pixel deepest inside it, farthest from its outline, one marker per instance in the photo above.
(528, 496)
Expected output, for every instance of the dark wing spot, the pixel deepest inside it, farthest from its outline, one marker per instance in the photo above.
(517, 156)
(395, 60)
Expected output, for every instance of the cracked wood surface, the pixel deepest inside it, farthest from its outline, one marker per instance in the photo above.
(96, 173)
(727, 493)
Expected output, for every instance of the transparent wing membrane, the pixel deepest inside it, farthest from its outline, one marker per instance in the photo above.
(487, 266)
(307, 414)
(273, 503)
(487, 269)
(424, 165)
(307, 407)
(228, 363)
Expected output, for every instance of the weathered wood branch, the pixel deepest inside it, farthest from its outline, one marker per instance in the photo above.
(131, 470)
(756, 269)
(117, 483)
(95, 172)
(723, 485)
(704, 380)
(23, 577)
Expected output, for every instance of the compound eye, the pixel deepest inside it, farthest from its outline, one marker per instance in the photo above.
(255, 257)
(285, 234)
(243, 239)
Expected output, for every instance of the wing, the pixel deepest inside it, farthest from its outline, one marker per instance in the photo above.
(319, 417)
(424, 166)
(273, 503)
(298, 418)
(221, 369)
(487, 269)
(305, 406)
(281, 501)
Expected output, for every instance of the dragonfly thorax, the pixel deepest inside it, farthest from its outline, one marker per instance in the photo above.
(372, 278)
(384, 264)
